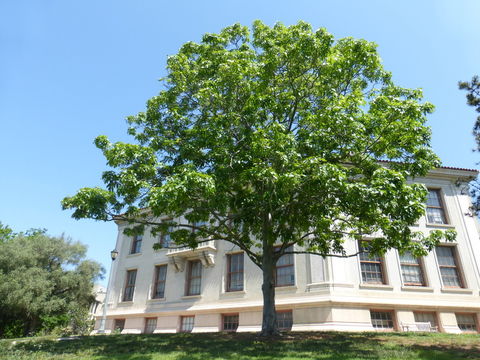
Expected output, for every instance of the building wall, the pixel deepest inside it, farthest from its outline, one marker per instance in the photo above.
(328, 293)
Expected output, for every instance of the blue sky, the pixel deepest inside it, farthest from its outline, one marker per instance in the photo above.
(72, 70)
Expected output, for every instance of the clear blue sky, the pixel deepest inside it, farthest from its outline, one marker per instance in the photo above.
(72, 70)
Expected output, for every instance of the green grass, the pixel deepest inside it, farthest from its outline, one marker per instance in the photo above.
(294, 346)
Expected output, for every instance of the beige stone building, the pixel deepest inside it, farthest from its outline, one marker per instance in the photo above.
(217, 288)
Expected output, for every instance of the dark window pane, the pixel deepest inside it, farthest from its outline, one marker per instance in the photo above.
(381, 319)
(284, 320)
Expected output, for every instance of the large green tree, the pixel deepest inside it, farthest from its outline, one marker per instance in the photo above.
(42, 276)
(278, 136)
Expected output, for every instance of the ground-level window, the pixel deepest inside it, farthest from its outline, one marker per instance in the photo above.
(449, 269)
(186, 323)
(229, 322)
(423, 317)
(118, 325)
(130, 285)
(382, 319)
(159, 285)
(284, 320)
(412, 271)
(371, 266)
(150, 325)
(467, 322)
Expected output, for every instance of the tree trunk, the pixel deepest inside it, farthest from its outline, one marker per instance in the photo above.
(269, 321)
(31, 326)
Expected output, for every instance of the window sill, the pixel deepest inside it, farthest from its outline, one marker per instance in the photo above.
(417, 288)
(125, 303)
(156, 300)
(442, 226)
(285, 288)
(238, 292)
(188, 297)
(375, 287)
(133, 255)
(456, 291)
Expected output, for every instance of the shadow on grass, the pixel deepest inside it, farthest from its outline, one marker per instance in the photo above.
(317, 346)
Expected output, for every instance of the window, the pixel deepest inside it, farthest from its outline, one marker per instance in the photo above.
(382, 319)
(467, 322)
(430, 317)
(448, 266)
(118, 325)
(371, 267)
(130, 285)
(165, 238)
(284, 274)
(194, 277)
(435, 208)
(150, 325)
(159, 285)
(230, 322)
(412, 271)
(284, 320)
(199, 224)
(235, 272)
(187, 323)
(136, 244)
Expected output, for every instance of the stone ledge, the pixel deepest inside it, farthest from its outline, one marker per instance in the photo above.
(375, 287)
(417, 288)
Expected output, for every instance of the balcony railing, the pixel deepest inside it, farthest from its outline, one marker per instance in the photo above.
(187, 251)
(205, 252)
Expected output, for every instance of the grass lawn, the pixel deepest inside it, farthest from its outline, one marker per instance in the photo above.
(294, 346)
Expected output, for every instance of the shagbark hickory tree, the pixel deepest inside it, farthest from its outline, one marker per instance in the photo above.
(269, 138)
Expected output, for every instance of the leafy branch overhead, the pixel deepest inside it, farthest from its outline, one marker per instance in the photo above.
(473, 99)
(282, 121)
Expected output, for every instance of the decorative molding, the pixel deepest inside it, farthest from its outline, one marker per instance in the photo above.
(207, 258)
(178, 263)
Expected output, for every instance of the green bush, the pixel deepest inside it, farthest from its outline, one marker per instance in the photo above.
(13, 329)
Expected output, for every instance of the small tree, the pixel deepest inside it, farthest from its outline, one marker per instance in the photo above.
(268, 139)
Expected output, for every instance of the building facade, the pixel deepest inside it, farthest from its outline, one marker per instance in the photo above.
(217, 288)
(96, 307)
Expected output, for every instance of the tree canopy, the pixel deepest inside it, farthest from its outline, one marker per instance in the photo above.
(276, 136)
(473, 99)
(42, 276)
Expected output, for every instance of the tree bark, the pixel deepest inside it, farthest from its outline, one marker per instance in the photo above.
(269, 320)
(31, 326)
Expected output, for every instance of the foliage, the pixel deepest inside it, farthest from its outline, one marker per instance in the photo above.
(473, 99)
(42, 278)
(80, 321)
(275, 136)
(216, 346)
(6, 233)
